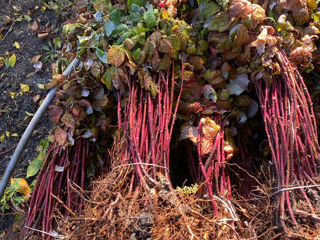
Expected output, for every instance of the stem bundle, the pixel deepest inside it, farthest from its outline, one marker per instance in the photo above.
(292, 132)
(147, 125)
(53, 189)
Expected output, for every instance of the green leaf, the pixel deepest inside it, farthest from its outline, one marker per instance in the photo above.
(107, 77)
(83, 39)
(219, 22)
(102, 55)
(175, 41)
(44, 143)
(46, 48)
(140, 3)
(28, 18)
(57, 42)
(135, 17)
(136, 54)
(18, 200)
(150, 19)
(36, 164)
(208, 9)
(109, 26)
(116, 15)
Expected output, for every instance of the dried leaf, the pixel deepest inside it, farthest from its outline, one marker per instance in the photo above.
(60, 136)
(189, 132)
(238, 85)
(55, 113)
(165, 46)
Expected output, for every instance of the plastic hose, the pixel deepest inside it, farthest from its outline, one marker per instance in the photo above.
(27, 133)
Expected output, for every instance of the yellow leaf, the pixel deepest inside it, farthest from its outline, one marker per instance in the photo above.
(164, 13)
(7, 133)
(2, 75)
(17, 45)
(12, 60)
(2, 137)
(23, 186)
(30, 75)
(24, 87)
(14, 135)
(29, 114)
(7, 53)
(12, 95)
(312, 4)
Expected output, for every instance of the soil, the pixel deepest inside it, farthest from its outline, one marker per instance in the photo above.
(13, 111)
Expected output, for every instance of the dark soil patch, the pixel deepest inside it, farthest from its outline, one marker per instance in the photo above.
(14, 120)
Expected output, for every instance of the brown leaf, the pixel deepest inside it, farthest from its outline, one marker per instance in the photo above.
(155, 37)
(60, 136)
(33, 27)
(155, 59)
(165, 46)
(35, 59)
(55, 113)
(301, 57)
(243, 37)
(197, 62)
(43, 36)
(36, 98)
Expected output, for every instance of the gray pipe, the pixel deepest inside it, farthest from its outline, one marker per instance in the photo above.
(27, 133)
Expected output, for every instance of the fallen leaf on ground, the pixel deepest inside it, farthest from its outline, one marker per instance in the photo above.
(36, 98)
(12, 60)
(24, 87)
(12, 94)
(23, 186)
(28, 18)
(35, 59)
(17, 45)
(33, 27)
(43, 36)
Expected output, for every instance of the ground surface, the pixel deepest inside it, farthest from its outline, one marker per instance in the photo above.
(13, 110)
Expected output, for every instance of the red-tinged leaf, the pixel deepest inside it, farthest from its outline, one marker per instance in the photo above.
(209, 129)
(188, 108)
(68, 120)
(60, 136)
(206, 146)
(55, 113)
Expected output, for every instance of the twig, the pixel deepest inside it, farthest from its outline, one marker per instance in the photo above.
(8, 150)
(133, 164)
(7, 32)
(294, 188)
(51, 233)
